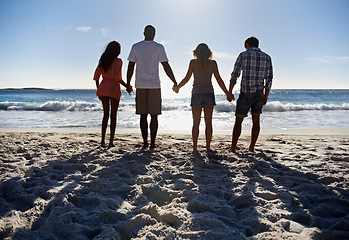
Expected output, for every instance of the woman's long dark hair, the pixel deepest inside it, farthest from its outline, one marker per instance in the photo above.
(111, 52)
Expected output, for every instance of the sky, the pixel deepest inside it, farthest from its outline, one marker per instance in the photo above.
(57, 43)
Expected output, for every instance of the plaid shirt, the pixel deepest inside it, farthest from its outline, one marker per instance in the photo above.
(256, 66)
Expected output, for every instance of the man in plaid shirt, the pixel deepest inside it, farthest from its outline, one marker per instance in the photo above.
(257, 76)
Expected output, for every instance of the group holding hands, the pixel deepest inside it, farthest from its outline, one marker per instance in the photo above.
(146, 56)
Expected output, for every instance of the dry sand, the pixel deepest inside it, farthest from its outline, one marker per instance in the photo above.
(57, 184)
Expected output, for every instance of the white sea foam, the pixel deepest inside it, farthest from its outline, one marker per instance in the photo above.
(277, 106)
(69, 106)
(51, 106)
(274, 106)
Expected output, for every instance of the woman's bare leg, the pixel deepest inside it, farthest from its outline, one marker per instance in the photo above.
(196, 111)
(208, 111)
(113, 112)
(105, 103)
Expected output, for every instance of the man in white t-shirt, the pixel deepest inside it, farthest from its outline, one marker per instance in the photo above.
(147, 55)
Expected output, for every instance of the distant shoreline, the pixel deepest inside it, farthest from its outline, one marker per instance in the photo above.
(27, 88)
(39, 88)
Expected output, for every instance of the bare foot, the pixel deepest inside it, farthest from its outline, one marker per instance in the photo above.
(152, 146)
(111, 145)
(102, 144)
(145, 145)
(234, 149)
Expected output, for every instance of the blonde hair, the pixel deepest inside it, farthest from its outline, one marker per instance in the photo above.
(203, 54)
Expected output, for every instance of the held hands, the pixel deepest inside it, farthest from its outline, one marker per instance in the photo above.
(175, 88)
(230, 96)
(129, 89)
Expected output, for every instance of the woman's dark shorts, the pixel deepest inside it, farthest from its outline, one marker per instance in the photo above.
(247, 101)
(202, 99)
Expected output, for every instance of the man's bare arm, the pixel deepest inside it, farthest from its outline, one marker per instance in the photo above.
(169, 72)
(266, 94)
(130, 69)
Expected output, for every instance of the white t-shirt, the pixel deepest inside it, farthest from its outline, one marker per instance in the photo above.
(147, 55)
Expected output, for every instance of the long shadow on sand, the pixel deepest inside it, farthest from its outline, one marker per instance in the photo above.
(79, 197)
(245, 196)
(307, 203)
(213, 216)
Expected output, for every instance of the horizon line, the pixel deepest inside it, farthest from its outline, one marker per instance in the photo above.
(43, 88)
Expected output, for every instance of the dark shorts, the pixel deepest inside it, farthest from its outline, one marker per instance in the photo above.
(247, 101)
(202, 99)
(148, 101)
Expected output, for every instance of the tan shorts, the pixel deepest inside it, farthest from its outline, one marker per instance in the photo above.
(148, 101)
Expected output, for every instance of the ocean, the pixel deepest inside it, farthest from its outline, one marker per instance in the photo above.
(286, 109)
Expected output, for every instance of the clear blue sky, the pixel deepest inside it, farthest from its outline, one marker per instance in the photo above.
(57, 43)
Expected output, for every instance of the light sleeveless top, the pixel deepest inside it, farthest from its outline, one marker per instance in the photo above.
(202, 80)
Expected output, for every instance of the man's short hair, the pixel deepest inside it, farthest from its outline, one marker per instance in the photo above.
(149, 28)
(252, 42)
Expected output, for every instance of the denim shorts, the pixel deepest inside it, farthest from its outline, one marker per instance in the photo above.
(202, 99)
(247, 101)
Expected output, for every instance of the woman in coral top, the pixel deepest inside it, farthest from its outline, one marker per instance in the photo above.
(108, 91)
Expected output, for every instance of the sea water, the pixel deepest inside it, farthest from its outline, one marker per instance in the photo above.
(286, 109)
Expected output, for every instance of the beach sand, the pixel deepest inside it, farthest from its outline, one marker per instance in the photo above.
(59, 184)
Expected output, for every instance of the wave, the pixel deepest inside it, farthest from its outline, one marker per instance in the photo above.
(277, 106)
(289, 107)
(51, 106)
(223, 107)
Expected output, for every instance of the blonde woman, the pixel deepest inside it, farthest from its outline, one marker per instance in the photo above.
(202, 66)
